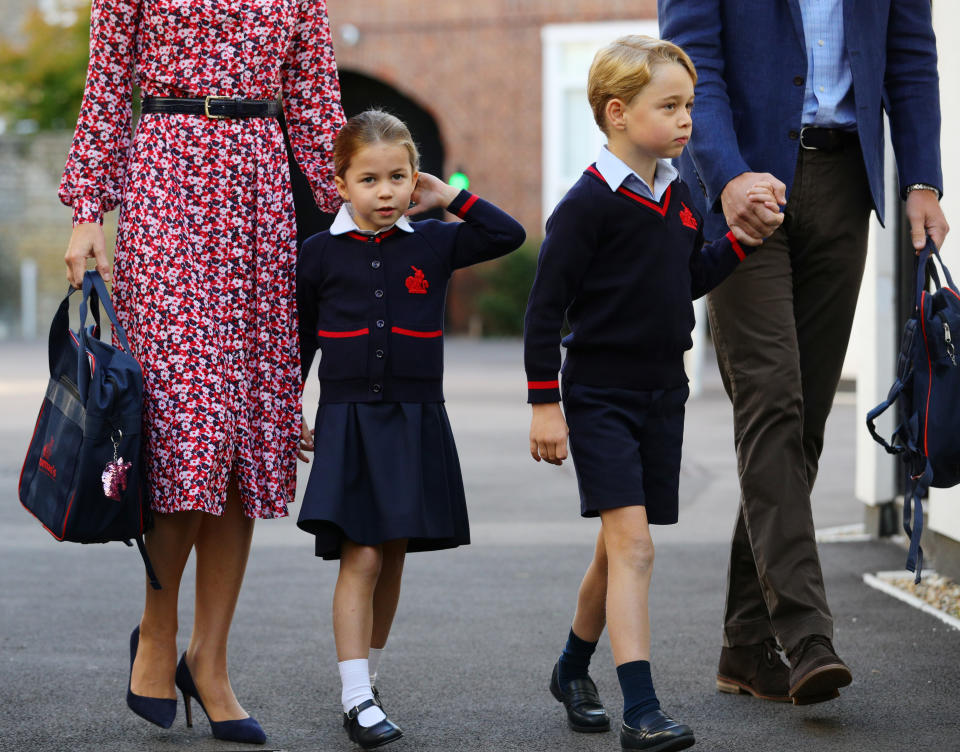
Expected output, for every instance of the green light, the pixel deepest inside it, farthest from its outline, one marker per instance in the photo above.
(460, 181)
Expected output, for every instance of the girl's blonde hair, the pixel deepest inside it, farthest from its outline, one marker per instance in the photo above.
(622, 68)
(368, 128)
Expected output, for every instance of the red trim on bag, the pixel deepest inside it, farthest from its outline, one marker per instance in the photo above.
(543, 384)
(736, 245)
(342, 335)
(413, 333)
(66, 517)
(926, 347)
(30, 444)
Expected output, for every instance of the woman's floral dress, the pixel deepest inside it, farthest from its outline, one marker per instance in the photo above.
(206, 255)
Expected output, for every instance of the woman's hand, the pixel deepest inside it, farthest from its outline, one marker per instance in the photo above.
(87, 242)
(306, 440)
(548, 433)
(431, 192)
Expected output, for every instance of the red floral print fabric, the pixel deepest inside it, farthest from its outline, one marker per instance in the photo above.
(206, 254)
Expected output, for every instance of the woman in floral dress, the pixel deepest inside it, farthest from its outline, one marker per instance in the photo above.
(204, 285)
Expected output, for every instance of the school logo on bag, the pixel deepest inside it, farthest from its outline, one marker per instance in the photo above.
(687, 218)
(417, 283)
(45, 465)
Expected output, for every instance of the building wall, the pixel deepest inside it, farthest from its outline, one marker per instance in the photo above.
(476, 66)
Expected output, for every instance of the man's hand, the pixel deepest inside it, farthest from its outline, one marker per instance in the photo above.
(926, 218)
(751, 221)
(86, 242)
(548, 433)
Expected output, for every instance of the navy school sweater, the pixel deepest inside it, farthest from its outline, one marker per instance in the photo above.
(624, 270)
(374, 304)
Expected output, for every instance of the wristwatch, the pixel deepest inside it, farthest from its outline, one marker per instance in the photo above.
(922, 187)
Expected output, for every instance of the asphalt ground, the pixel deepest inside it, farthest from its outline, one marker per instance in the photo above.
(479, 627)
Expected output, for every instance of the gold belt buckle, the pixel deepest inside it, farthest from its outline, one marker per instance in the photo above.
(206, 107)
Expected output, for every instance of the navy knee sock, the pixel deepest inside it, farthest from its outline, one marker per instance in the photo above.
(575, 659)
(637, 687)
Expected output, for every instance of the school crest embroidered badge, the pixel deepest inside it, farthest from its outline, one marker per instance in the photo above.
(417, 283)
(687, 218)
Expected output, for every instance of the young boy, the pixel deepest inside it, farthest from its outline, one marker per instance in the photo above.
(623, 258)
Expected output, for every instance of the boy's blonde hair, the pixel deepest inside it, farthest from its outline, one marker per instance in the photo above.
(367, 128)
(622, 68)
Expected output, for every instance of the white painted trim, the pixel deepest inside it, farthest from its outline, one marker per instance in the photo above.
(878, 582)
(553, 37)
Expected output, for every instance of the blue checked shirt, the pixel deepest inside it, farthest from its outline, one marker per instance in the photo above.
(828, 97)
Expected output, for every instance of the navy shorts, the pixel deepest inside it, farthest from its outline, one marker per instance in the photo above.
(626, 447)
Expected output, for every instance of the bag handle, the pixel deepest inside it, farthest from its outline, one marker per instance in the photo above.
(95, 294)
(878, 411)
(926, 256)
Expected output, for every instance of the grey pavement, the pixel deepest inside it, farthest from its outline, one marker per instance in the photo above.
(479, 627)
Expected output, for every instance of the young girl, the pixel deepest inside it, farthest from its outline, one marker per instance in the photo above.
(386, 479)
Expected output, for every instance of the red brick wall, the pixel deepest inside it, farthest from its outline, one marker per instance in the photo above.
(476, 67)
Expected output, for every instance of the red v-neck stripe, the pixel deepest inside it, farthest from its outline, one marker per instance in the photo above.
(658, 208)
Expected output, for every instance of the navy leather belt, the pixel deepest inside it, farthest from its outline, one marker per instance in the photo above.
(826, 139)
(213, 107)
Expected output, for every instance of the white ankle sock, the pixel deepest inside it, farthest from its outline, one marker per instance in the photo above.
(355, 680)
(374, 660)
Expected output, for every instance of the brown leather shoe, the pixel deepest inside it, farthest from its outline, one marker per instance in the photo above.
(754, 669)
(816, 673)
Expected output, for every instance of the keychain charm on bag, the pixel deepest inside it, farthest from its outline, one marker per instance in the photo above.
(114, 475)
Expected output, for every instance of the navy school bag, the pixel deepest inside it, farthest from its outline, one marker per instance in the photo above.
(927, 393)
(82, 475)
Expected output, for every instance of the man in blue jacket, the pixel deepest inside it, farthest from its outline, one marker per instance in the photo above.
(794, 91)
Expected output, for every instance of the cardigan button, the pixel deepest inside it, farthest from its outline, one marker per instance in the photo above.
(376, 388)
(379, 353)
(378, 293)
(380, 323)
(375, 263)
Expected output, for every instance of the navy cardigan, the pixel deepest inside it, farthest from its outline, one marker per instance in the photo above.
(374, 304)
(624, 270)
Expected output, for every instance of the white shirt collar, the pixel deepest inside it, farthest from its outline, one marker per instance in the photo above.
(615, 171)
(344, 223)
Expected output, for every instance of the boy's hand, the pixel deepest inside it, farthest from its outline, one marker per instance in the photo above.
(750, 222)
(548, 433)
(306, 441)
(431, 193)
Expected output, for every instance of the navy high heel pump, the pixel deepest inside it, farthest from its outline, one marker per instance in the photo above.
(154, 709)
(243, 730)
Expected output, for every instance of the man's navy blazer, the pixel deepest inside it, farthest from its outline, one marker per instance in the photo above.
(752, 66)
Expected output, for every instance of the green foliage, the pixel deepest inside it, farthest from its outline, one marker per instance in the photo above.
(42, 73)
(506, 285)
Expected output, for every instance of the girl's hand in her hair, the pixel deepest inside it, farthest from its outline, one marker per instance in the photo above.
(87, 242)
(431, 193)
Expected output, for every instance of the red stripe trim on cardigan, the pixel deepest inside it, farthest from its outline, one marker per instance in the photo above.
(658, 208)
(466, 205)
(414, 333)
(736, 245)
(341, 335)
(376, 238)
(543, 384)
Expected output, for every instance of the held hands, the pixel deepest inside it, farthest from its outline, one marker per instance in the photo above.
(548, 433)
(306, 441)
(87, 242)
(926, 218)
(431, 193)
(751, 205)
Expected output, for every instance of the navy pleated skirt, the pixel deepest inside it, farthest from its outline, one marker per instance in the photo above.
(381, 472)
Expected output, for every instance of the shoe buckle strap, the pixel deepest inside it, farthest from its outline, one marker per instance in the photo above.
(358, 709)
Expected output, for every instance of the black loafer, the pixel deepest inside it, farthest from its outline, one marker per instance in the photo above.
(585, 712)
(370, 737)
(656, 732)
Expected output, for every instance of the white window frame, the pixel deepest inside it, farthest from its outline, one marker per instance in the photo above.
(553, 38)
